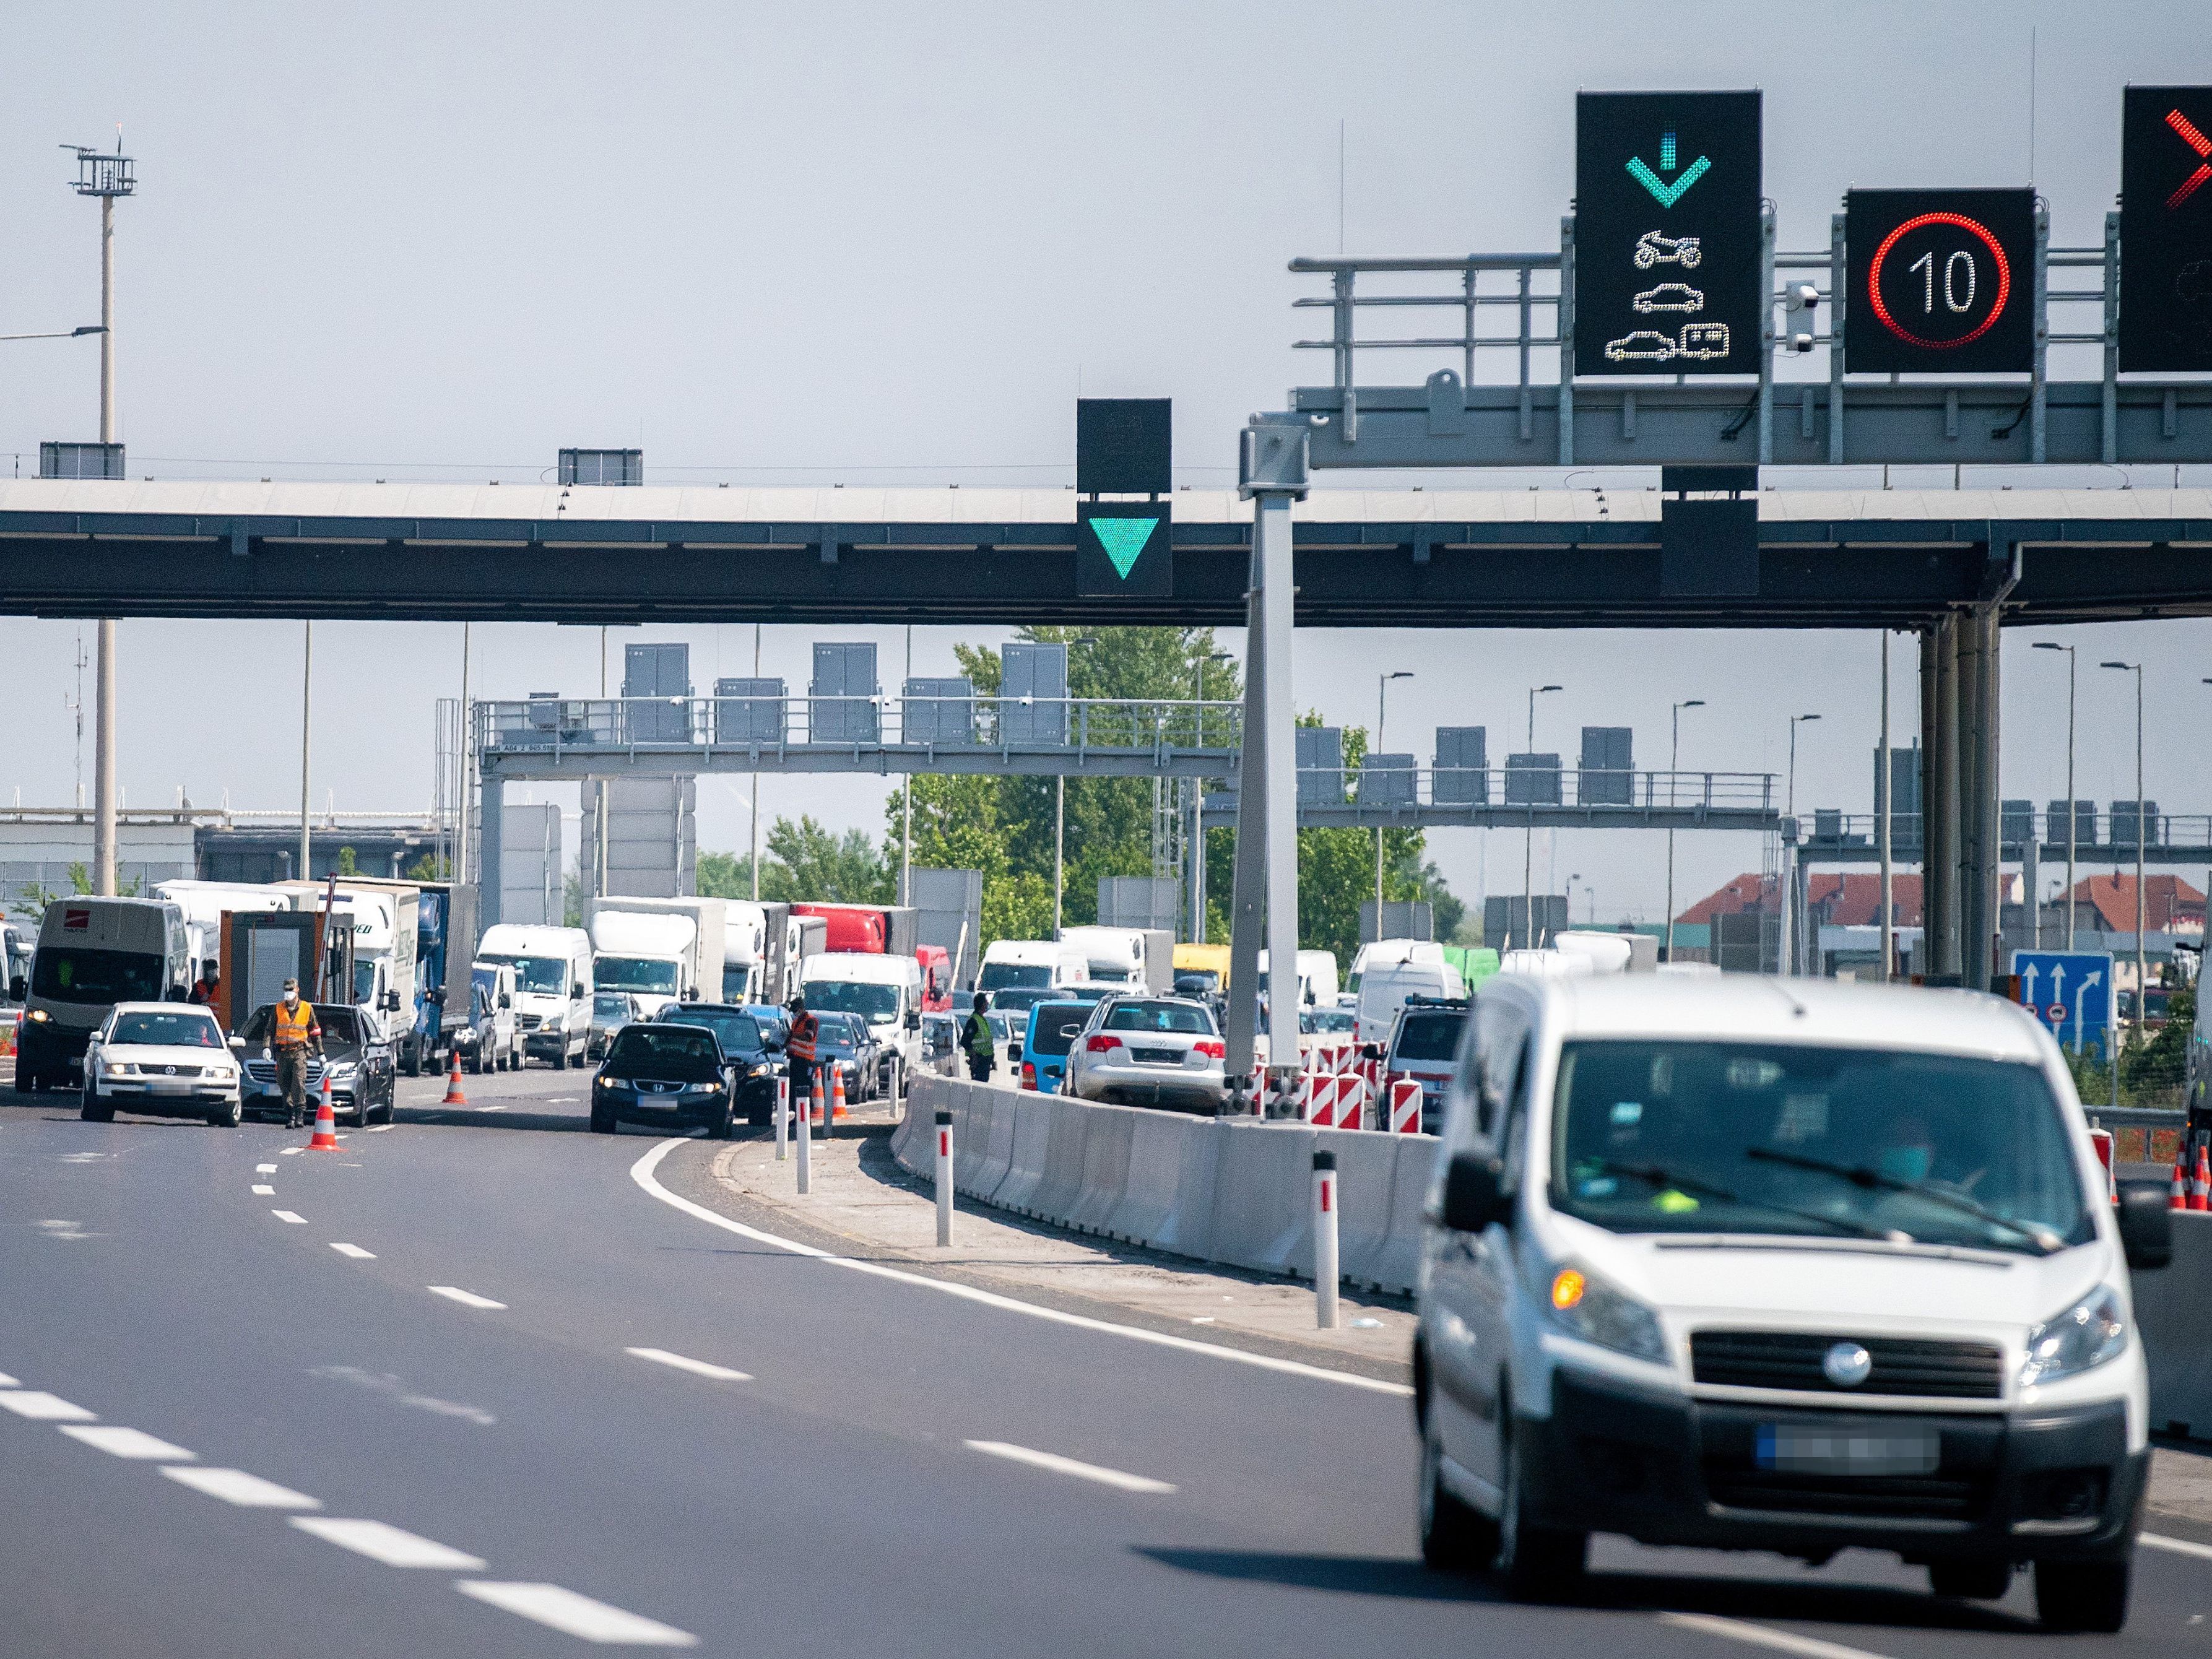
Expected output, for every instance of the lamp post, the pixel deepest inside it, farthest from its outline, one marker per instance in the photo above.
(2142, 835)
(307, 727)
(1060, 814)
(1198, 796)
(1381, 705)
(1528, 838)
(106, 176)
(1674, 765)
(2071, 815)
(1792, 947)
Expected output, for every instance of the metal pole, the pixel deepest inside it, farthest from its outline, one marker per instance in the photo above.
(468, 757)
(806, 1137)
(103, 762)
(1059, 848)
(307, 728)
(1528, 846)
(2142, 838)
(1885, 810)
(1324, 1234)
(1271, 538)
(756, 851)
(2073, 815)
(944, 1181)
(905, 795)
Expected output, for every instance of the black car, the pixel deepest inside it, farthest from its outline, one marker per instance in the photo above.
(667, 1074)
(754, 1066)
(844, 1041)
(362, 1072)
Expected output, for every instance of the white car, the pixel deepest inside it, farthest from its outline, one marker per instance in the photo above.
(1150, 1051)
(1780, 1265)
(1668, 297)
(162, 1060)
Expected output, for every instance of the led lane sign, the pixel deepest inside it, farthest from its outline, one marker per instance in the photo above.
(1122, 551)
(2165, 229)
(1941, 280)
(1667, 265)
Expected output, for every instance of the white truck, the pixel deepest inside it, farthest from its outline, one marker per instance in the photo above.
(1031, 964)
(746, 957)
(884, 990)
(205, 904)
(382, 917)
(1140, 958)
(657, 949)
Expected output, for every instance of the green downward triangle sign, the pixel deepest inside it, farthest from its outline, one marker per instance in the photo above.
(1123, 540)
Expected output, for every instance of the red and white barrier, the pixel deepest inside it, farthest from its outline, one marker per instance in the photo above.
(2102, 1140)
(1332, 1101)
(1405, 1099)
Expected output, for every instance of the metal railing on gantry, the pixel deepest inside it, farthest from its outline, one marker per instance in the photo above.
(1397, 797)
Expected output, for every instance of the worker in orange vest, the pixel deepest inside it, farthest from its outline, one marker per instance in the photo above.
(799, 1050)
(293, 1030)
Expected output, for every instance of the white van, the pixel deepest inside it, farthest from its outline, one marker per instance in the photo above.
(884, 990)
(1381, 952)
(1385, 986)
(1031, 964)
(92, 954)
(1316, 978)
(552, 986)
(1789, 1265)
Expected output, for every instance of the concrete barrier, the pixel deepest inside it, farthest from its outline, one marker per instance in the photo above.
(1366, 1170)
(998, 1151)
(2173, 1311)
(1032, 1141)
(1153, 1188)
(1068, 1122)
(1262, 1210)
(971, 1140)
(1108, 1138)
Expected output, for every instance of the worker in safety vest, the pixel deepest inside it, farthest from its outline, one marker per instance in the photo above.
(978, 1040)
(208, 991)
(799, 1050)
(292, 1032)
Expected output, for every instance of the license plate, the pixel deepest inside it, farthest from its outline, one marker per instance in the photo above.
(1156, 1056)
(1792, 1448)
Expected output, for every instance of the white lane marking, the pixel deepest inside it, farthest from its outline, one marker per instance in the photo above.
(394, 1546)
(7, 1381)
(2179, 1546)
(493, 1106)
(119, 1441)
(696, 1367)
(262, 1189)
(576, 1615)
(248, 1492)
(292, 1152)
(1758, 1636)
(297, 1221)
(355, 1251)
(265, 1169)
(1059, 1465)
(45, 1407)
(641, 1173)
(377, 1128)
(466, 1298)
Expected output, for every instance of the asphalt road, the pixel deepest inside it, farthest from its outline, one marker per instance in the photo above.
(805, 1457)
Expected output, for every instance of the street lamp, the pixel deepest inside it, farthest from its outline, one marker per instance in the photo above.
(1529, 842)
(1198, 796)
(1792, 947)
(1060, 818)
(2143, 835)
(2071, 814)
(1674, 765)
(65, 334)
(1381, 705)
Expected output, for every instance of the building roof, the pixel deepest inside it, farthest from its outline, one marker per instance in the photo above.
(1851, 899)
(2168, 902)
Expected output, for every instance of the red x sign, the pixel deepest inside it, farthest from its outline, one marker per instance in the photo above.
(2197, 142)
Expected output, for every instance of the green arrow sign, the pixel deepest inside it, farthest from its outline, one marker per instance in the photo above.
(1123, 540)
(1639, 170)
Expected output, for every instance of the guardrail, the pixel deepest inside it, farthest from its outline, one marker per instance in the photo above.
(2100, 836)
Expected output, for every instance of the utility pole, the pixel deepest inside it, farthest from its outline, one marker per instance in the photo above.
(1381, 711)
(906, 803)
(1673, 766)
(2142, 836)
(600, 786)
(307, 727)
(756, 854)
(2071, 814)
(1885, 810)
(468, 760)
(1528, 838)
(1792, 945)
(107, 177)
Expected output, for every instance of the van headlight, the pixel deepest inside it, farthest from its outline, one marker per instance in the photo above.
(1585, 1306)
(2082, 1338)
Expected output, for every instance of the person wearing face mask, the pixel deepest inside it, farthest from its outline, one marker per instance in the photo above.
(1908, 1151)
(293, 1032)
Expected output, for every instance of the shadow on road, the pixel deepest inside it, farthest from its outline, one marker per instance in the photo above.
(471, 1117)
(1395, 1576)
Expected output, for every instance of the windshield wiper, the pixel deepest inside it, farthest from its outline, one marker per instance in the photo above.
(2042, 1237)
(1658, 1177)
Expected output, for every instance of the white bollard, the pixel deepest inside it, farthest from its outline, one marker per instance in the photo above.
(1324, 1231)
(805, 1141)
(783, 1117)
(944, 1181)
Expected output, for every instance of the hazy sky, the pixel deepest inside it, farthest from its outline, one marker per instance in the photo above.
(889, 243)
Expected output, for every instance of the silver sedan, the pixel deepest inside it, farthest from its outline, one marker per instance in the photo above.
(1150, 1051)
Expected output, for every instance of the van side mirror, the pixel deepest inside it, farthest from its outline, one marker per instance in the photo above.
(2146, 1233)
(391, 1002)
(914, 1019)
(436, 995)
(505, 1000)
(577, 989)
(1474, 1193)
(238, 1044)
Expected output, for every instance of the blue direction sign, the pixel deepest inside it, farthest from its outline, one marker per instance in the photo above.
(2071, 991)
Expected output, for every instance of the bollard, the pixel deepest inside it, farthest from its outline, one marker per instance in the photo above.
(1324, 1231)
(782, 1116)
(806, 1141)
(945, 1180)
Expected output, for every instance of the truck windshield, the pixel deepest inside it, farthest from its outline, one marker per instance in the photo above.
(1709, 1137)
(874, 1003)
(1428, 1036)
(1003, 975)
(76, 975)
(643, 975)
(548, 977)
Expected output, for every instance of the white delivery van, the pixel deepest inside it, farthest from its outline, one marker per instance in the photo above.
(553, 983)
(650, 956)
(1031, 964)
(1385, 986)
(92, 954)
(1382, 951)
(1316, 978)
(884, 990)
(1780, 1265)
(698, 943)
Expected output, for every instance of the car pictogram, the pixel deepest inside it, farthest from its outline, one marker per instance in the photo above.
(1669, 296)
(1654, 249)
(1645, 345)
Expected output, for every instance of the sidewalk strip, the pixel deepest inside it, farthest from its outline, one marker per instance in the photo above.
(466, 1298)
(118, 1442)
(45, 1407)
(394, 1546)
(576, 1615)
(1058, 1465)
(1758, 1636)
(696, 1367)
(248, 1492)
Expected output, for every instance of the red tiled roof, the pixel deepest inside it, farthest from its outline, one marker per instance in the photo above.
(1852, 900)
(2167, 899)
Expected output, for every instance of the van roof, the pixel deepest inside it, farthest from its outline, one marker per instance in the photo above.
(1759, 1008)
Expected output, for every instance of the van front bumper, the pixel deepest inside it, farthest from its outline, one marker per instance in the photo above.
(2058, 1484)
(51, 1048)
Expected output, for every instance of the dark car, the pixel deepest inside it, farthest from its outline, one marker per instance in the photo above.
(774, 1024)
(363, 1074)
(674, 1076)
(753, 1068)
(844, 1041)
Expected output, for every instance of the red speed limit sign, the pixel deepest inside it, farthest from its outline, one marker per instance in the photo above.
(1937, 281)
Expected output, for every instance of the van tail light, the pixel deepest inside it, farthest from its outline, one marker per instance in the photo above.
(1029, 1075)
(1099, 1042)
(1211, 1049)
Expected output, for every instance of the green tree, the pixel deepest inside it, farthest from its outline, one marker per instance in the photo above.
(349, 862)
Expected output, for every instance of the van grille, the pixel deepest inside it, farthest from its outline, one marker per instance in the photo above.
(1791, 1359)
(1921, 1498)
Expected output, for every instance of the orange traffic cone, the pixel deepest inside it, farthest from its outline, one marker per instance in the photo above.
(838, 1093)
(820, 1120)
(453, 1095)
(326, 1123)
(2200, 1183)
(2180, 1199)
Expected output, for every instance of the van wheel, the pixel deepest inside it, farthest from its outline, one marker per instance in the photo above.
(2082, 1595)
(1538, 1563)
(26, 1083)
(1970, 1581)
(561, 1058)
(1453, 1538)
(414, 1062)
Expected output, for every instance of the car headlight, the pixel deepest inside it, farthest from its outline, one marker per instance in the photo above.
(2085, 1336)
(37, 1017)
(554, 1022)
(602, 1083)
(119, 1068)
(1585, 1306)
(701, 1088)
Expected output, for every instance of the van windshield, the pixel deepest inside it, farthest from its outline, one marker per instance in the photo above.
(1430, 1036)
(1700, 1137)
(644, 974)
(1001, 976)
(547, 976)
(874, 1003)
(79, 976)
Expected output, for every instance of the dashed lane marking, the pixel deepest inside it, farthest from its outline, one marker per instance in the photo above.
(265, 1169)
(8, 1382)
(297, 1221)
(1781, 1641)
(576, 1615)
(2177, 1546)
(1059, 1465)
(291, 1152)
(378, 1128)
(466, 1298)
(248, 1492)
(696, 1367)
(262, 1189)
(119, 1441)
(355, 1251)
(395, 1546)
(45, 1407)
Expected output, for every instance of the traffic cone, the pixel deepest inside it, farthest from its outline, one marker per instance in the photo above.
(820, 1120)
(2179, 1199)
(838, 1093)
(2200, 1184)
(453, 1095)
(326, 1123)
